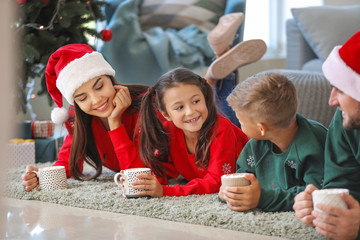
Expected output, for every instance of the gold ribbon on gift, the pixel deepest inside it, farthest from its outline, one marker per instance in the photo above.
(20, 140)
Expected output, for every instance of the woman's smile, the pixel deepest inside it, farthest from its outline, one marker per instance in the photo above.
(103, 107)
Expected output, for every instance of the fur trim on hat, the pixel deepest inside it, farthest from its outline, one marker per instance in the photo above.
(341, 76)
(59, 115)
(81, 70)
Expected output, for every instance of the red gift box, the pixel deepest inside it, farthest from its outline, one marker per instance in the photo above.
(42, 129)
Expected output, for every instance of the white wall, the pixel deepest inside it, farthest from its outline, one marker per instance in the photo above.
(7, 62)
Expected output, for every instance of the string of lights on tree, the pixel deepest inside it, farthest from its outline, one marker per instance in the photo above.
(46, 25)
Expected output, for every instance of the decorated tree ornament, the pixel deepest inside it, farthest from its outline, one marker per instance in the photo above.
(106, 35)
(45, 25)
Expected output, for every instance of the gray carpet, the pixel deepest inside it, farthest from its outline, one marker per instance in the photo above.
(103, 194)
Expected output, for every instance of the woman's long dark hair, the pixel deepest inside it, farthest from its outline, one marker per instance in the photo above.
(83, 143)
(154, 143)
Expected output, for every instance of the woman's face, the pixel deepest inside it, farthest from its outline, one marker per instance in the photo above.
(95, 97)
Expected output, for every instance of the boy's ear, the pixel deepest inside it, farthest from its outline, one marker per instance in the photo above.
(165, 115)
(262, 128)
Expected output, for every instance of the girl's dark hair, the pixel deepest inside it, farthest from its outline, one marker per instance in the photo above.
(154, 143)
(83, 143)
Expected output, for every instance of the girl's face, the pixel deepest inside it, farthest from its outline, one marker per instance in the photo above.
(95, 97)
(186, 107)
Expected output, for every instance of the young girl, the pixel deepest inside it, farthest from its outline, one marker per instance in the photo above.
(105, 113)
(201, 144)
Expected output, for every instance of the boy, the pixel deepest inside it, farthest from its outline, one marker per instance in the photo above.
(286, 151)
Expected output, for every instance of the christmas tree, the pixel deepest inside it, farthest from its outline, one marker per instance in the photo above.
(46, 25)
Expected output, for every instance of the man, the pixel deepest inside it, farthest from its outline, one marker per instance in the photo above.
(342, 149)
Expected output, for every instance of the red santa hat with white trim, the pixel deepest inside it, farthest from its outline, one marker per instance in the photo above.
(68, 68)
(342, 67)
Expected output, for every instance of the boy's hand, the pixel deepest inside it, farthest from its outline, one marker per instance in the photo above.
(221, 193)
(150, 184)
(245, 197)
(303, 205)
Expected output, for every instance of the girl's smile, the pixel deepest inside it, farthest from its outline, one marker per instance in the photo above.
(193, 121)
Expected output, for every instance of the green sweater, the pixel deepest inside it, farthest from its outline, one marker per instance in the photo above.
(282, 176)
(342, 154)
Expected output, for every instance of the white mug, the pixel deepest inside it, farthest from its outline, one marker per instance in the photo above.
(331, 197)
(234, 180)
(129, 175)
(52, 178)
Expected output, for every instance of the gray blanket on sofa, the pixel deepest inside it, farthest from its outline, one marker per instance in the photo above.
(103, 194)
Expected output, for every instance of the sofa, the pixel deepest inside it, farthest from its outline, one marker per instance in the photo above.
(310, 36)
(314, 31)
(150, 37)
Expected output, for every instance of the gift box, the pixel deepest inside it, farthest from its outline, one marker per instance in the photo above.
(47, 149)
(42, 129)
(23, 130)
(21, 152)
(35, 129)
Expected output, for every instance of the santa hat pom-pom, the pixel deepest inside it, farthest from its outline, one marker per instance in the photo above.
(59, 115)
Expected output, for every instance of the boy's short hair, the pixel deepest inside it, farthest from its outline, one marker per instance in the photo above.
(269, 98)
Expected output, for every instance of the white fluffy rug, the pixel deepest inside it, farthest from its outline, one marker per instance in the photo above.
(103, 194)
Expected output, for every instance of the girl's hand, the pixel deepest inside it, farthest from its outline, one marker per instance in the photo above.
(150, 184)
(121, 102)
(303, 205)
(29, 179)
(245, 197)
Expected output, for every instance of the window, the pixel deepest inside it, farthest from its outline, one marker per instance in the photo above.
(265, 19)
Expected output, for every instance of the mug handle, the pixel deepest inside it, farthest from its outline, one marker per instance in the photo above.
(38, 177)
(37, 174)
(118, 182)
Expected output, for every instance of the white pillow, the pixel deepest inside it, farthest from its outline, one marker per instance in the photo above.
(327, 26)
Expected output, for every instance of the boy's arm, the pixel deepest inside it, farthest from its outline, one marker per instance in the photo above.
(310, 172)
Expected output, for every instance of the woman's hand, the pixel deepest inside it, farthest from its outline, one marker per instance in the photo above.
(29, 179)
(149, 184)
(121, 102)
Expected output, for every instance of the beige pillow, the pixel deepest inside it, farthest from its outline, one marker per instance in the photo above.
(181, 13)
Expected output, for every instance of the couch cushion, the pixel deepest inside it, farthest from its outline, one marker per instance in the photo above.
(327, 26)
(314, 65)
(181, 13)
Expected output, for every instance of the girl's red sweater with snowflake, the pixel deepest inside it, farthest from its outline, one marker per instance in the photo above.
(224, 151)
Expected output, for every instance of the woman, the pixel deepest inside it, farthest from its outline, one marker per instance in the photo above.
(105, 114)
